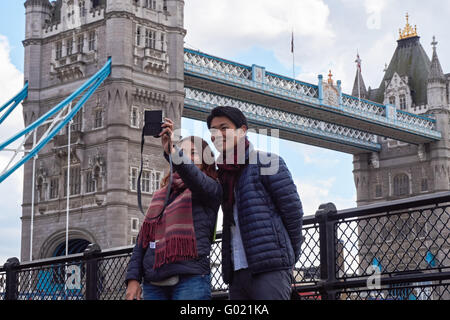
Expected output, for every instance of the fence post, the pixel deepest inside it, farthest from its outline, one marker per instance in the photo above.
(327, 250)
(12, 287)
(91, 255)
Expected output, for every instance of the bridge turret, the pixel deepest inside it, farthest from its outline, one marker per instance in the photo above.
(37, 14)
(438, 106)
(437, 86)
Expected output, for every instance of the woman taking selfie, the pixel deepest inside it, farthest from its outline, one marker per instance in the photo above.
(171, 255)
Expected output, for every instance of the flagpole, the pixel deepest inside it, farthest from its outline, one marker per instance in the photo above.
(67, 200)
(68, 184)
(32, 198)
(293, 55)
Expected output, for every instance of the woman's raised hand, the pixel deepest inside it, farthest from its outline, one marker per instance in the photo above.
(166, 133)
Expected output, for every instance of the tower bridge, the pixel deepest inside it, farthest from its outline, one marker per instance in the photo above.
(398, 132)
(323, 102)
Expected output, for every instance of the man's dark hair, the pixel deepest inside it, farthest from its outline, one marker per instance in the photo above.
(234, 114)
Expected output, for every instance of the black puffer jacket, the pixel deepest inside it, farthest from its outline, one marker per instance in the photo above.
(206, 200)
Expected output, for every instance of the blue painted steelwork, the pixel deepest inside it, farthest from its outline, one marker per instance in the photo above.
(204, 102)
(89, 88)
(202, 66)
(75, 246)
(430, 259)
(376, 263)
(291, 80)
(17, 99)
(417, 116)
(320, 88)
(372, 103)
(218, 59)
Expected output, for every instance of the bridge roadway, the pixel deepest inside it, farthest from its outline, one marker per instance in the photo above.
(319, 115)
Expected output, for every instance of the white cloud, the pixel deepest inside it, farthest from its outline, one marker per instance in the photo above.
(313, 194)
(376, 6)
(316, 156)
(11, 82)
(227, 27)
(327, 33)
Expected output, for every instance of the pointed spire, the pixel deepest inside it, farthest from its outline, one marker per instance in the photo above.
(436, 72)
(359, 88)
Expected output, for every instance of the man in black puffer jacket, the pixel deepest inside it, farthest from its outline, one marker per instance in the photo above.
(262, 213)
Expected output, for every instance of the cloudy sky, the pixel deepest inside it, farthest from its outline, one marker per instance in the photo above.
(327, 35)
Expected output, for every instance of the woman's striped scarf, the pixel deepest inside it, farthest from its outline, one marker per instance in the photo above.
(173, 233)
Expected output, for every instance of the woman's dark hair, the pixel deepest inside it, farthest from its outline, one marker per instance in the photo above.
(199, 144)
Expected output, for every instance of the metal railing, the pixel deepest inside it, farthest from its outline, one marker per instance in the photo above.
(395, 250)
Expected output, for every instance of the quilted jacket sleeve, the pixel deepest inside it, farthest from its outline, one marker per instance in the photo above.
(134, 270)
(283, 192)
(209, 190)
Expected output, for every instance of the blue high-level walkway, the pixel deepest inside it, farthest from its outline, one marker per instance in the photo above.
(319, 114)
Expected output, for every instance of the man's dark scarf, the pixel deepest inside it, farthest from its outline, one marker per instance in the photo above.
(229, 174)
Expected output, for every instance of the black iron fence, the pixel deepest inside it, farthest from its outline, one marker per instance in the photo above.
(397, 250)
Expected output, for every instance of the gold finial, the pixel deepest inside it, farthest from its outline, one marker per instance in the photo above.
(408, 31)
(330, 78)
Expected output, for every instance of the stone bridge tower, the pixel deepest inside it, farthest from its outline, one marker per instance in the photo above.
(66, 42)
(412, 83)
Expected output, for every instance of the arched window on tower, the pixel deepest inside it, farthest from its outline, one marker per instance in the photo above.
(82, 5)
(91, 182)
(40, 190)
(424, 185)
(402, 98)
(401, 185)
(138, 36)
(392, 100)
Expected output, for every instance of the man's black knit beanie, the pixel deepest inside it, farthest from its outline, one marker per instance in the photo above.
(234, 114)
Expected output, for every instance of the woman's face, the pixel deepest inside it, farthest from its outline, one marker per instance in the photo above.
(190, 151)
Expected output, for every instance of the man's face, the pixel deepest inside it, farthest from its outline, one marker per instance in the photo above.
(224, 133)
